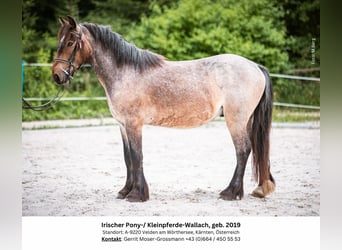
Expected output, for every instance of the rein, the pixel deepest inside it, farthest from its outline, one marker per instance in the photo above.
(45, 106)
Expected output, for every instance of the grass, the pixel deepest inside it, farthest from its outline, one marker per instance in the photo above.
(69, 110)
(295, 115)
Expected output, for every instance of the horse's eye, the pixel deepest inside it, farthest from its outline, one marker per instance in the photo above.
(70, 43)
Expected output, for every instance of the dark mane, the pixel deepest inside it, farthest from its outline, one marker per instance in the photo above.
(124, 53)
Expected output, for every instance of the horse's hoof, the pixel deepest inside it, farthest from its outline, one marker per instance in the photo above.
(123, 193)
(265, 189)
(120, 196)
(135, 196)
(229, 195)
(258, 192)
(133, 199)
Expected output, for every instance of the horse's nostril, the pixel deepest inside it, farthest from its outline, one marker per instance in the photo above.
(56, 78)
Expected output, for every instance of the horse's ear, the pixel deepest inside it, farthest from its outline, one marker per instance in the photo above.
(62, 20)
(72, 22)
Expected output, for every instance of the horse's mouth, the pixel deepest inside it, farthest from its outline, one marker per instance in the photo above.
(64, 78)
(60, 80)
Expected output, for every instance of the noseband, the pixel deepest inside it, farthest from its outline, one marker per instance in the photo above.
(71, 60)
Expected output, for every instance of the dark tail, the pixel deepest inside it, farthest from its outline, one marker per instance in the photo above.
(260, 136)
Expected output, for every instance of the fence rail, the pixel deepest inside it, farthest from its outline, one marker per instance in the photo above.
(290, 105)
(316, 79)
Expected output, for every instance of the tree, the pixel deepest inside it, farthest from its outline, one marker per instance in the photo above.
(119, 14)
(302, 20)
(192, 29)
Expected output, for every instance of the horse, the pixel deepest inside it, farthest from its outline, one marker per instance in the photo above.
(144, 88)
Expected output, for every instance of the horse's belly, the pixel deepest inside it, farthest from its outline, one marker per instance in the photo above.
(173, 121)
(183, 106)
(182, 116)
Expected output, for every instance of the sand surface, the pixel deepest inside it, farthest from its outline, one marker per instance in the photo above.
(78, 172)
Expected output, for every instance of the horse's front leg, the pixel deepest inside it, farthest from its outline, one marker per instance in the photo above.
(136, 188)
(127, 154)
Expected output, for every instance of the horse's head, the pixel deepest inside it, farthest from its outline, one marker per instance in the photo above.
(72, 52)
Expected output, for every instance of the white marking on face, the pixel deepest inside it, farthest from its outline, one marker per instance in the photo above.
(62, 39)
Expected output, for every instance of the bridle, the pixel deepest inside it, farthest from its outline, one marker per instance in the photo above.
(71, 60)
(67, 72)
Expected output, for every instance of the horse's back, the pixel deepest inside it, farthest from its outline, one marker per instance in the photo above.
(231, 69)
(229, 72)
(240, 79)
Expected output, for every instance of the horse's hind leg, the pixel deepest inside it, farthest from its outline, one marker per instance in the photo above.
(136, 188)
(239, 130)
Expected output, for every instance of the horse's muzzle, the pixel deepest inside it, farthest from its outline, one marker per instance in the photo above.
(57, 79)
(61, 76)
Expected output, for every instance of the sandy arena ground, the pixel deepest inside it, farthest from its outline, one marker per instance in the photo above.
(78, 172)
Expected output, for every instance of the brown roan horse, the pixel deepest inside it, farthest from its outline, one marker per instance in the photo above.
(144, 88)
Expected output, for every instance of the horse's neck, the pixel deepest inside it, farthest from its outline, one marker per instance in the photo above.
(105, 68)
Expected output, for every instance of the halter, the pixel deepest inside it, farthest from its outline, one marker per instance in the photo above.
(71, 60)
